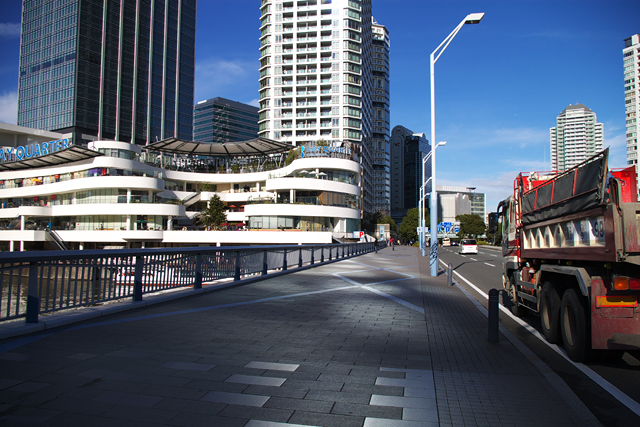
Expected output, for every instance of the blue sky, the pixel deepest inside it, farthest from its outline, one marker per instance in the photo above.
(499, 85)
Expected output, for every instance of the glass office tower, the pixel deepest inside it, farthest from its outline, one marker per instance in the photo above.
(108, 69)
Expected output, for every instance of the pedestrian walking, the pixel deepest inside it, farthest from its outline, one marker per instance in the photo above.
(392, 242)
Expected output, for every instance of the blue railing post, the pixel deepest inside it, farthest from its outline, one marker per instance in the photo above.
(264, 263)
(137, 278)
(313, 253)
(198, 282)
(300, 257)
(322, 254)
(236, 275)
(284, 261)
(33, 300)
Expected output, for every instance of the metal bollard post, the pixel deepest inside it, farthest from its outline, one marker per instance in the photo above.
(264, 264)
(449, 275)
(493, 315)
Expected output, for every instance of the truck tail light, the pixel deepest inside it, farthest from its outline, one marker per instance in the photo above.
(616, 301)
(621, 283)
(634, 284)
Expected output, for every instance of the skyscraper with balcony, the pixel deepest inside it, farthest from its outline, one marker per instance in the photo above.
(121, 70)
(315, 76)
(576, 137)
(222, 120)
(381, 118)
(631, 56)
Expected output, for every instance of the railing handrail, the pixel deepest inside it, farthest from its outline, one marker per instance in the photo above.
(47, 281)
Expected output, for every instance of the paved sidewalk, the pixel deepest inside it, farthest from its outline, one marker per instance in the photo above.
(342, 344)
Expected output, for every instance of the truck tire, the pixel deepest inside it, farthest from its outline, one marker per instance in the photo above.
(516, 309)
(550, 313)
(574, 326)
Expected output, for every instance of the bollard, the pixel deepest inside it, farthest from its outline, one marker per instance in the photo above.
(264, 264)
(493, 315)
(449, 275)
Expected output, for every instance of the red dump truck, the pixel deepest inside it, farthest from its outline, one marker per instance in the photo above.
(571, 252)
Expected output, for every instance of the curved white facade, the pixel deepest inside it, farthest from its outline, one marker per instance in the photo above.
(124, 199)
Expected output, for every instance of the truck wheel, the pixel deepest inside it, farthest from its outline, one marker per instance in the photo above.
(576, 336)
(550, 313)
(516, 309)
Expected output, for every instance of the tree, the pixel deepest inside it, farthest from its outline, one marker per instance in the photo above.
(471, 226)
(409, 225)
(214, 214)
(293, 154)
(369, 221)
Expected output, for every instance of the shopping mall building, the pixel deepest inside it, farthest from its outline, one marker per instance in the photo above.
(110, 194)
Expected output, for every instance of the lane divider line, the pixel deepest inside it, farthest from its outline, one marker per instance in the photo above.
(591, 374)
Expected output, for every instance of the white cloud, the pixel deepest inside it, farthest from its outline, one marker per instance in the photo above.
(9, 30)
(254, 102)
(233, 80)
(9, 107)
(617, 150)
(521, 137)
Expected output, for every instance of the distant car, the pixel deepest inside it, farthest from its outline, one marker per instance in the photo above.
(454, 243)
(468, 246)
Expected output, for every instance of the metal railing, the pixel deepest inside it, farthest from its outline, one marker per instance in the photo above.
(36, 283)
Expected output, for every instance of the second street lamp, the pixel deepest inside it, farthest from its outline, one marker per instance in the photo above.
(473, 18)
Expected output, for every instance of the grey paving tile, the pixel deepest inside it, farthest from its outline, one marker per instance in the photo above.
(29, 386)
(260, 423)
(266, 414)
(417, 414)
(69, 419)
(235, 398)
(403, 402)
(405, 383)
(256, 380)
(188, 366)
(82, 356)
(108, 374)
(420, 392)
(129, 399)
(344, 408)
(332, 396)
(273, 366)
(299, 404)
(325, 420)
(382, 422)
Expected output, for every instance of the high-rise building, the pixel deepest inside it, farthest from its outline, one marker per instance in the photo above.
(458, 200)
(407, 151)
(576, 137)
(222, 120)
(99, 69)
(315, 76)
(631, 54)
(381, 119)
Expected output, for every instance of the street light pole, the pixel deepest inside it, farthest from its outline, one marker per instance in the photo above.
(423, 195)
(473, 18)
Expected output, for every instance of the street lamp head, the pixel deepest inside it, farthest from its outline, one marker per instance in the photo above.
(441, 144)
(474, 18)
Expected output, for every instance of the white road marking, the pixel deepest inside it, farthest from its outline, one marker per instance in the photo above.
(490, 265)
(606, 385)
(472, 259)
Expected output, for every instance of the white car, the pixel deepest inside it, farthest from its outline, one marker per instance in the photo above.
(468, 246)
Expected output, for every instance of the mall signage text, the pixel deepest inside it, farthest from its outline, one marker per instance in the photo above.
(23, 152)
